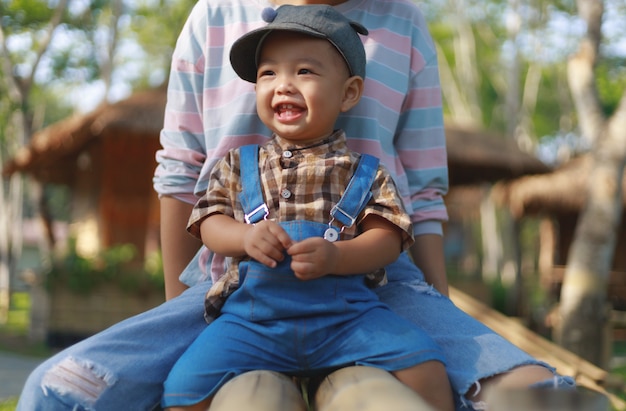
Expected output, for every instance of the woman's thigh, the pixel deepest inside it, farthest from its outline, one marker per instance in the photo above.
(472, 350)
(122, 367)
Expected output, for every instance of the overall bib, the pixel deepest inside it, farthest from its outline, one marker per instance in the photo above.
(277, 322)
(275, 294)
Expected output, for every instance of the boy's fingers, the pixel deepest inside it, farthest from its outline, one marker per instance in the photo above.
(265, 260)
(302, 247)
(282, 236)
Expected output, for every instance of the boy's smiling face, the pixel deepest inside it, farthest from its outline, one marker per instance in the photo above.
(302, 85)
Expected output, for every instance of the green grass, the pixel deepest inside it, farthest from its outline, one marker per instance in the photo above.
(14, 332)
(18, 321)
(619, 350)
(14, 337)
(8, 405)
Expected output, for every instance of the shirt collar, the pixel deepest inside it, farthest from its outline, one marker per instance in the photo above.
(336, 142)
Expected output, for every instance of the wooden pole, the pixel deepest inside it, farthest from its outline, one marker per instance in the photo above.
(259, 391)
(366, 389)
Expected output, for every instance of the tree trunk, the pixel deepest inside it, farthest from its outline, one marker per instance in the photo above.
(11, 216)
(18, 130)
(584, 327)
(492, 244)
(584, 312)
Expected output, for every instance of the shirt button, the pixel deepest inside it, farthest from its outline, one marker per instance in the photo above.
(285, 193)
(287, 154)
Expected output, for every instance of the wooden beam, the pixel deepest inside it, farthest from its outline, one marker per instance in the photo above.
(566, 362)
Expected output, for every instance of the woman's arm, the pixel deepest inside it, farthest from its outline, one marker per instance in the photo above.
(182, 155)
(427, 254)
(177, 246)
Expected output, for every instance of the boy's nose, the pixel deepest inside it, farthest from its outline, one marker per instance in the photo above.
(285, 86)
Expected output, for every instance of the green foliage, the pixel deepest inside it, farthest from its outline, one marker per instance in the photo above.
(553, 102)
(24, 14)
(155, 28)
(549, 31)
(14, 333)
(18, 319)
(499, 296)
(611, 82)
(619, 351)
(10, 404)
(58, 198)
(115, 265)
(563, 5)
(78, 54)
(49, 104)
(157, 31)
(487, 42)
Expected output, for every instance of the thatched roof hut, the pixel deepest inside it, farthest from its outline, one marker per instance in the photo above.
(53, 154)
(477, 156)
(558, 196)
(474, 156)
(114, 147)
(107, 158)
(559, 192)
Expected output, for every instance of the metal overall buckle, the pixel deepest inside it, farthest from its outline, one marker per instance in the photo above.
(332, 233)
(250, 217)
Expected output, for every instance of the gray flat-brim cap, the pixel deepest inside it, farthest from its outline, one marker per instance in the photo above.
(321, 21)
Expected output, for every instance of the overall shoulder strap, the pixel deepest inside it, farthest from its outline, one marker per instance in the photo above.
(251, 196)
(357, 193)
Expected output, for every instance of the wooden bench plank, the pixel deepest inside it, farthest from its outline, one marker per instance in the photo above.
(566, 362)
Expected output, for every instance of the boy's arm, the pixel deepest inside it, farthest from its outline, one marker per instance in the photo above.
(379, 244)
(224, 235)
(177, 246)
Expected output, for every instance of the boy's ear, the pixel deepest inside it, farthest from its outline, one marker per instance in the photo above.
(352, 91)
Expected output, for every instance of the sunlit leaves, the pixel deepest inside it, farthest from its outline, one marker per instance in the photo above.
(611, 82)
(18, 15)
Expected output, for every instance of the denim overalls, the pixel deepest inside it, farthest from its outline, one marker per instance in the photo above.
(275, 321)
(266, 294)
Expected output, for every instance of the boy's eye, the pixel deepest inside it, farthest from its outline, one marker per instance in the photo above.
(264, 71)
(304, 71)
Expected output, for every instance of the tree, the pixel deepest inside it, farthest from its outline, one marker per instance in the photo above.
(16, 131)
(544, 105)
(489, 80)
(583, 307)
(48, 50)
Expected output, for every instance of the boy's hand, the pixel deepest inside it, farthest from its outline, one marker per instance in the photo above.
(266, 242)
(313, 258)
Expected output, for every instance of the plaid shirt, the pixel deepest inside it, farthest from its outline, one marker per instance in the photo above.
(299, 183)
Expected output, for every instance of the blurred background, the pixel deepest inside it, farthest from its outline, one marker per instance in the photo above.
(535, 105)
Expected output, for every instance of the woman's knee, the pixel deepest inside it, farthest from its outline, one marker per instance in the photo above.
(523, 376)
(63, 382)
(518, 377)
